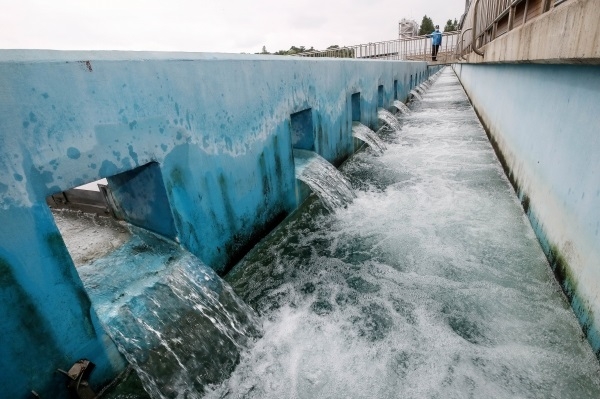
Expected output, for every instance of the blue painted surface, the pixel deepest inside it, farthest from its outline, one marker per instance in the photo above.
(544, 119)
(141, 199)
(217, 130)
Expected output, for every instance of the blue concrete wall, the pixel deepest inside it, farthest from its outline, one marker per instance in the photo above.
(217, 128)
(543, 119)
(139, 197)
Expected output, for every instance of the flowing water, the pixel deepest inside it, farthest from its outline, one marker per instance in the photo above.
(368, 136)
(416, 95)
(323, 178)
(388, 118)
(430, 284)
(401, 107)
(172, 317)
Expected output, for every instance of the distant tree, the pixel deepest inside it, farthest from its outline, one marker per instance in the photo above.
(451, 26)
(264, 50)
(333, 47)
(293, 50)
(426, 26)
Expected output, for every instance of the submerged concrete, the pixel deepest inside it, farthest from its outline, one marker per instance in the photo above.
(543, 120)
(199, 148)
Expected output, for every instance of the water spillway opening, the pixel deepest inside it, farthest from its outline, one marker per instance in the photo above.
(380, 96)
(395, 89)
(302, 130)
(355, 104)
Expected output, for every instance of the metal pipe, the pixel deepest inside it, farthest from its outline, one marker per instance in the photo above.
(474, 37)
(462, 39)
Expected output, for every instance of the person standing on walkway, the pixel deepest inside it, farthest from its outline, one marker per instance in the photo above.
(436, 41)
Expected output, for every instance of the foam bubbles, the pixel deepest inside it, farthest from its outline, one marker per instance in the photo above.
(429, 284)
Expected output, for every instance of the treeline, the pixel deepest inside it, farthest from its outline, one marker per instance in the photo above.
(427, 26)
(341, 52)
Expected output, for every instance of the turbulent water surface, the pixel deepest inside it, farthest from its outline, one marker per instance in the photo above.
(430, 284)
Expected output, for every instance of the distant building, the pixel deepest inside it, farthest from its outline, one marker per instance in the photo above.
(407, 28)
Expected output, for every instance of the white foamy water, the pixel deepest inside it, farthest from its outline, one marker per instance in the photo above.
(430, 284)
(368, 136)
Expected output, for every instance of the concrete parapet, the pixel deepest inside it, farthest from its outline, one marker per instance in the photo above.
(197, 147)
(567, 34)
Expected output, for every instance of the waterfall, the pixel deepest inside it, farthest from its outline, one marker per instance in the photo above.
(416, 95)
(389, 118)
(325, 181)
(368, 136)
(401, 107)
(179, 325)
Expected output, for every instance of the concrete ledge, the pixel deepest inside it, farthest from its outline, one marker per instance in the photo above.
(567, 34)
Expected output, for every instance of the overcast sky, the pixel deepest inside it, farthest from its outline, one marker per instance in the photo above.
(230, 26)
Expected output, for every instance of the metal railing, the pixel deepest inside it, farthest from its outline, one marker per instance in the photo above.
(417, 48)
(492, 19)
(489, 19)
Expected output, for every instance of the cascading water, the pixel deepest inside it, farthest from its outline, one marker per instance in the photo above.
(388, 118)
(401, 107)
(430, 284)
(416, 95)
(368, 136)
(325, 181)
(172, 317)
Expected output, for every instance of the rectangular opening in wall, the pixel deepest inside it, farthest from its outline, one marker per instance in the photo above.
(380, 96)
(142, 286)
(302, 131)
(355, 101)
(137, 196)
(395, 89)
(88, 198)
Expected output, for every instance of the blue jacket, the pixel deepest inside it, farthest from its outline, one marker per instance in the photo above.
(436, 37)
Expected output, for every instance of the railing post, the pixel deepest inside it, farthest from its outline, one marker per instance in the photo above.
(546, 7)
(511, 18)
(462, 39)
(474, 40)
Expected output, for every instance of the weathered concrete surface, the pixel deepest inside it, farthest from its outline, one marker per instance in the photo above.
(569, 33)
(216, 129)
(543, 120)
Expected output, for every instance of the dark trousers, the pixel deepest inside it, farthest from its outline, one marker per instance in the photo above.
(434, 51)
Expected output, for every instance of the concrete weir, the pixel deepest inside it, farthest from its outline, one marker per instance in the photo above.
(543, 121)
(197, 147)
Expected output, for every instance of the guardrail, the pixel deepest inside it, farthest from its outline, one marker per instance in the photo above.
(417, 48)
